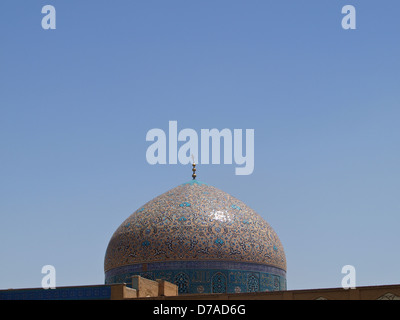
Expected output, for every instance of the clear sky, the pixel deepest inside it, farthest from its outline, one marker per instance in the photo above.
(76, 104)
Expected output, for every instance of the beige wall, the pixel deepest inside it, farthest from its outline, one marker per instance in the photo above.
(121, 292)
(166, 288)
(361, 293)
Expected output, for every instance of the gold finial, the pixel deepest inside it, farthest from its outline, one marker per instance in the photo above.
(194, 169)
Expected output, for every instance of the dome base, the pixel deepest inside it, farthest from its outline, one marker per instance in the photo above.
(206, 276)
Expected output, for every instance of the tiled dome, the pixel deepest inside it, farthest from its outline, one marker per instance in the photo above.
(197, 228)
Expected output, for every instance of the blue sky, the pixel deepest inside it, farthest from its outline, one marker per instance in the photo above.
(76, 104)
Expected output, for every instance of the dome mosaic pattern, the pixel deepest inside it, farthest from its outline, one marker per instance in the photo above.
(200, 238)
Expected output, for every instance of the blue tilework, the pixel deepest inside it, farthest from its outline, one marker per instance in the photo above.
(197, 227)
(199, 280)
(62, 293)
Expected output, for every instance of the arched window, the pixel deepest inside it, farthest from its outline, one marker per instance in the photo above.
(218, 283)
(277, 285)
(182, 281)
(253, 283)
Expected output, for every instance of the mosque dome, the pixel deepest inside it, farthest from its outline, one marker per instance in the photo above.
(200, 238)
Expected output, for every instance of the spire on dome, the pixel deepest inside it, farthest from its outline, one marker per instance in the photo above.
(194, 169)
